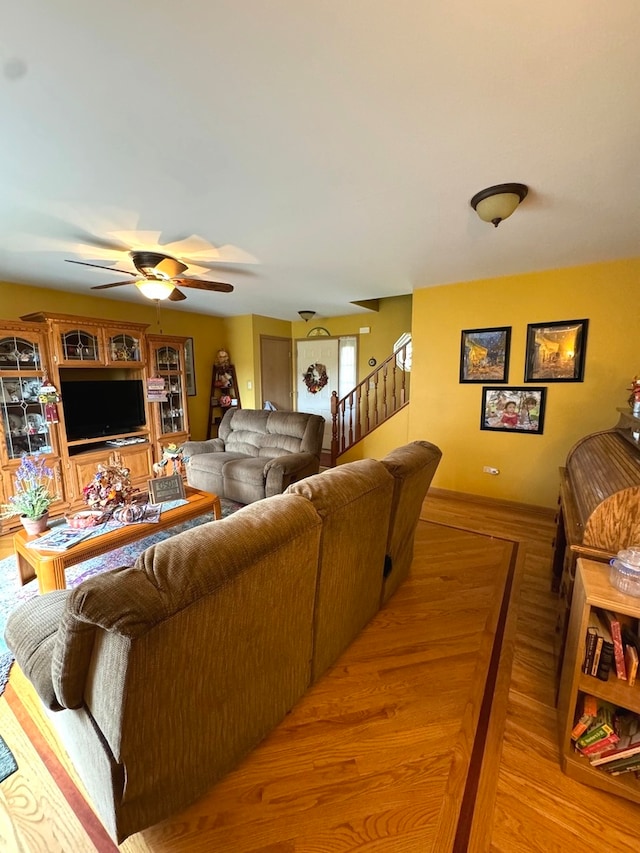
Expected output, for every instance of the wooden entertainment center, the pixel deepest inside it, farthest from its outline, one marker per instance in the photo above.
(67, 348)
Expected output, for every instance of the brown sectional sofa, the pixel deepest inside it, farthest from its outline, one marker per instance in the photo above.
(160, 677)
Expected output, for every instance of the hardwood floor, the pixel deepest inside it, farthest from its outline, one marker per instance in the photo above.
(360, 763)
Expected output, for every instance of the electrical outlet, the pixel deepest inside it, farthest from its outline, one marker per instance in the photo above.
(249, 384)
(489, 470)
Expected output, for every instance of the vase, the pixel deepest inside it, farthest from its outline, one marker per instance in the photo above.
(636, 408)
(33, 526)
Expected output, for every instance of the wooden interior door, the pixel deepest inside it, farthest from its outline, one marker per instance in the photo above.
(275, 372)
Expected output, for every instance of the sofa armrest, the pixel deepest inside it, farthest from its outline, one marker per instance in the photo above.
(283, 470)
(212, 445)
(31, 633)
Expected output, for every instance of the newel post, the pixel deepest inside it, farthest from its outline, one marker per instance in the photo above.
(334, 428)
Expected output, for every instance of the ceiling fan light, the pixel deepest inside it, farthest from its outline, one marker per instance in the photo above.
(497, 203)
(155, 288)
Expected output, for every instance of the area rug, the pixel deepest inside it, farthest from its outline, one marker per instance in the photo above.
(11, 593)
(7, 761)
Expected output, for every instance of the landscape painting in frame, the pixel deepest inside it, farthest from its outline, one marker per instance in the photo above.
(556, 351)
(513, 409)
(484, 355)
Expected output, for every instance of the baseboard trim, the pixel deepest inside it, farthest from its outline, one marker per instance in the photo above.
(487, 501)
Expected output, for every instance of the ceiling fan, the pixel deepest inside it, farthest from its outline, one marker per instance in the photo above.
(157, 276)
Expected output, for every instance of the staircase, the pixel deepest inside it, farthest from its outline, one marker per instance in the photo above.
(373, 401)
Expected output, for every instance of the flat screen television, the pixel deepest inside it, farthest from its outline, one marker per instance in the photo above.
(93, 408)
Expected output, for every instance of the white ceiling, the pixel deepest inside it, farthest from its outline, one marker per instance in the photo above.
(334, 143)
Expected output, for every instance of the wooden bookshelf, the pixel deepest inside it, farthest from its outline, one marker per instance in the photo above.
(593, 589)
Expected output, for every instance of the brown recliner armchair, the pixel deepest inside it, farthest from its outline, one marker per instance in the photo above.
(257, 453)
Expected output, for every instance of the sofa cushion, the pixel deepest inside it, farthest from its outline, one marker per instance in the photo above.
(213, 463)
(354, 502)
(264, 433)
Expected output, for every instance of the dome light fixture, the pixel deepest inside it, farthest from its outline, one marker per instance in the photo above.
(307, 315)
(497, 203)
(155, 288)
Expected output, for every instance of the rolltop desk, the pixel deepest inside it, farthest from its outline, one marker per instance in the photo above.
(599, 505)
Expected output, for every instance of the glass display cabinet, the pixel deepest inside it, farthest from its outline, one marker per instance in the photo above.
(22, 415)
(171, 418)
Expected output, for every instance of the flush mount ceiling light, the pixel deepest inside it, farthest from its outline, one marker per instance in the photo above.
(155, 288)
(497, 203)
(307, 315)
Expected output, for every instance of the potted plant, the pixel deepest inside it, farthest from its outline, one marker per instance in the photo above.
(34, 492)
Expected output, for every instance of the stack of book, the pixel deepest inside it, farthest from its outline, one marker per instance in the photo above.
(595, 728)
(623, 756)
(612, 644)
(607, 736)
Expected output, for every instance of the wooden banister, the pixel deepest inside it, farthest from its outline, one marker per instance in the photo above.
(374, 400)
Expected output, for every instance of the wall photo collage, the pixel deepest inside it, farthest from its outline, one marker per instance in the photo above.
(555, 352)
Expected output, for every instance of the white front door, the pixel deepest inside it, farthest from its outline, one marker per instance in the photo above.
(316, 378)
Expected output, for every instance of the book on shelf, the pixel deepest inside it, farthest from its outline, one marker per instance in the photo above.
(628, 730)
(596, 749)
(626, 765)
(601, 727)
(590, 641)
(606, 655)
(597, 654)
(588, 713)
(613, 622)
(631, 662)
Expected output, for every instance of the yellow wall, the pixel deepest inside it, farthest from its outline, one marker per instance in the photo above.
(387, 324)
(238, 337)
(390, 434)
(448, 413)
(208, 333)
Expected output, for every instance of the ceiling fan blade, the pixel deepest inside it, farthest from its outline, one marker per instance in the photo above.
(176, 296)
(113, 284)
(82, 236)
(98, 266)
(198, 284)
(171, 267)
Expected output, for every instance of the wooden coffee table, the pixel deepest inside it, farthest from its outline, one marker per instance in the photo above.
(49, 566)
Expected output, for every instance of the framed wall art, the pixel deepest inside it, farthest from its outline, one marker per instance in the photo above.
(556, 351)
(484, 355)
(513, 409)
(189, 369)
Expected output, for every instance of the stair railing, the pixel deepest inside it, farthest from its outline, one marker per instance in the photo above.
(371, 402)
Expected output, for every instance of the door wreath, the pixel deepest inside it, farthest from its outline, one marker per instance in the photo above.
(315, 377)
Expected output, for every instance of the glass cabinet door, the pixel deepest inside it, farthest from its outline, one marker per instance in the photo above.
(79, 346)
(168, 366)
(123, 347)
(21, 413)
(19, 355)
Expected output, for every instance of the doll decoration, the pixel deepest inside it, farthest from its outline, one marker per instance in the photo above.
(222, 358)
(49, 397)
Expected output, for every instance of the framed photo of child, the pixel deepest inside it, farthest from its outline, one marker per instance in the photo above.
(509, 409)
